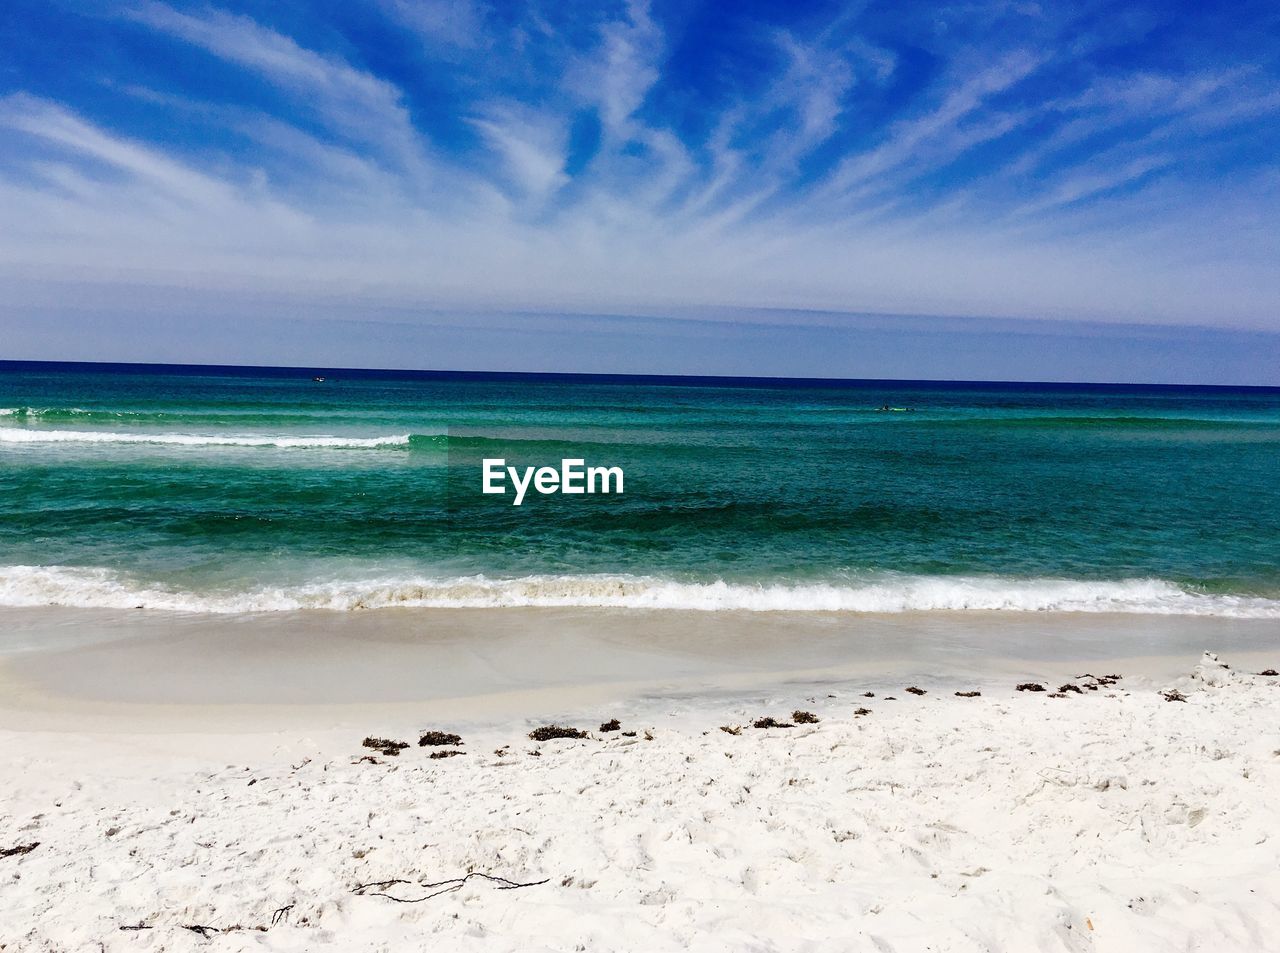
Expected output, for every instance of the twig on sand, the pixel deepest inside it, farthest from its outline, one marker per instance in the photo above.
(281, 915)
(204, 931)
(445, 886)
(1173, 695)
(19, 849)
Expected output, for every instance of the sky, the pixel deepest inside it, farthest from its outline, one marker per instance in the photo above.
(946, 190)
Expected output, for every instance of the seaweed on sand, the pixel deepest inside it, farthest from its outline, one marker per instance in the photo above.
(1031, 687)
(968, 694)
(547, 732)
(611, 725)
(438, 738)
(804, 717)
(770, 722)
(385, 745)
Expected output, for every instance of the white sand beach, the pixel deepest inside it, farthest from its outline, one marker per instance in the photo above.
(1104, 819)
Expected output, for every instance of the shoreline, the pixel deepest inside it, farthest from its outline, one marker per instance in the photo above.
(61, 667)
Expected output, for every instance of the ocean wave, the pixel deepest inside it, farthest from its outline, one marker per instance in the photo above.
(91, 587)
(12, 435)
(61, 412)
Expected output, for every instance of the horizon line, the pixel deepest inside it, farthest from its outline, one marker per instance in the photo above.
(688, 380)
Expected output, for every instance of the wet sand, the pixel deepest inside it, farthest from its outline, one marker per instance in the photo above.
(307, 667)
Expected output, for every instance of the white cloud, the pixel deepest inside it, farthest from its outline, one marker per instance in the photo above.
(363, 212)
(354, 103)
(531, 146)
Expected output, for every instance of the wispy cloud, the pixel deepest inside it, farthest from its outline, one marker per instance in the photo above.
(531, 146)
(353, 102)
(949, 160)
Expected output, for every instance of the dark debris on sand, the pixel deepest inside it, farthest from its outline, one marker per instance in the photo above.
(438, 738)
(1068, 687)
(862, 711)
(968, 694)
(1031, 687)
(916, 691)
(435, 755)
(548, 732)
(1097, 681)
(868, 694)
(1173, 695)
(611, 725)
(731, 729)
(804, 717)
(770, 722)
(19, 850)
(1269, 672)
(385, 745)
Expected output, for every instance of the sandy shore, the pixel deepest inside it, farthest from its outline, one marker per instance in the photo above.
(1109, 819)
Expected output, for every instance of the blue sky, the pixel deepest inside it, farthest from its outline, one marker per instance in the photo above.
(826, 188)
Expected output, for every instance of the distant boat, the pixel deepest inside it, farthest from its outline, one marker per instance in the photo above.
(318, 380)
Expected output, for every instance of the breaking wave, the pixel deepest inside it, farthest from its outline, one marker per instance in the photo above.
(22, 436)
(102, 588)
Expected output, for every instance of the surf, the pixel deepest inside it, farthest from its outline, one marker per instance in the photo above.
(103, 588)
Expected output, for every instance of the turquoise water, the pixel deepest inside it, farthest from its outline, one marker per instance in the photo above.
(182, 490)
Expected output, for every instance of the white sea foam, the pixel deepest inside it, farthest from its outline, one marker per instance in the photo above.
(13, 435)
(102, 588)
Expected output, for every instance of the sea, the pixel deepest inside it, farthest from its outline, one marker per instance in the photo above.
(237, 490)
